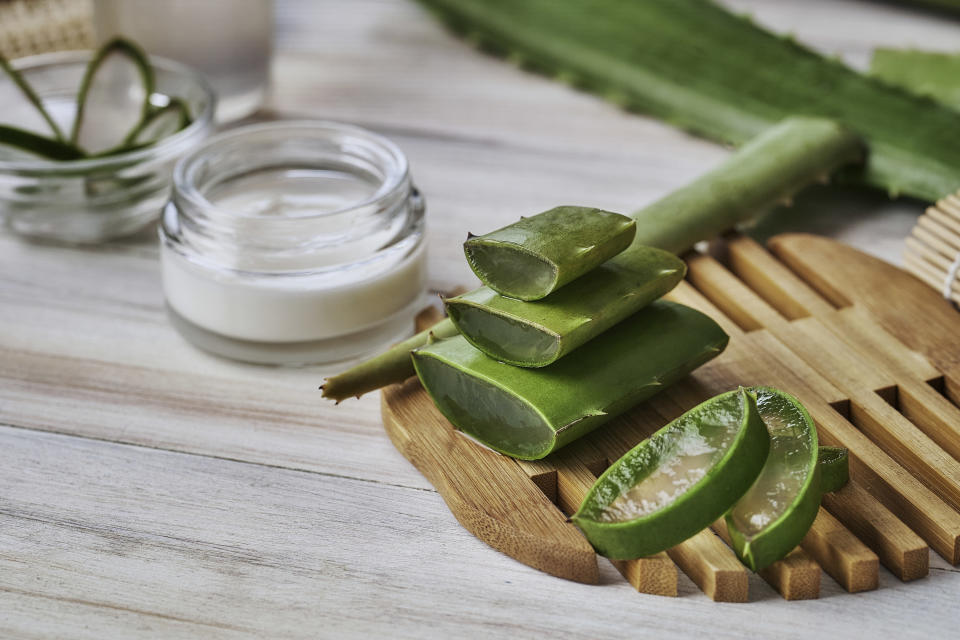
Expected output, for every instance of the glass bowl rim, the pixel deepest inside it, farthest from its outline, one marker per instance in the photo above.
(185, 187)
(202, 121)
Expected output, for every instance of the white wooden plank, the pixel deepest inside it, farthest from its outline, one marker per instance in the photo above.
(129, 542)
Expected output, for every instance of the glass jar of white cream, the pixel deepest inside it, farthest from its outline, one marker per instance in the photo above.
(294, 243)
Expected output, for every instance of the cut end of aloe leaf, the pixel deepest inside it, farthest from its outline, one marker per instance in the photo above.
(479, 407)
(510, 269)
(503, 336)
(778, 510)
(537, 255)
(678, 481)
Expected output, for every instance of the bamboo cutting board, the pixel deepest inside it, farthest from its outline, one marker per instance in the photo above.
(872, 352)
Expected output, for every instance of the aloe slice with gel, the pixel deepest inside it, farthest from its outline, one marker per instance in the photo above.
(527, 413)
(535, 256)
(678, 481)
(778, 510)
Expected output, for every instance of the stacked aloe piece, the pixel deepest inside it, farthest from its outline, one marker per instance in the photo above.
(528, 376)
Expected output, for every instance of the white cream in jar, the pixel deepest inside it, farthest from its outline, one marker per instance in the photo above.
(294, 243)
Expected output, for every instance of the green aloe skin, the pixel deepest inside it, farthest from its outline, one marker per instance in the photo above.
(701, 68)
(834, 468)
(936, 75)
(528, 413)
(774, 515)
(773, 167)
(535, 256)
(536, 334)
(678, 481)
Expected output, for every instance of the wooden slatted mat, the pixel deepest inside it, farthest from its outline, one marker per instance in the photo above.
(870, 350)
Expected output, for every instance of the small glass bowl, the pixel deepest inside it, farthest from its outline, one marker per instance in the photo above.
(92, 200)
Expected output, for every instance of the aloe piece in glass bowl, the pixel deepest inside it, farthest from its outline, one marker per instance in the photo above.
(99, 197)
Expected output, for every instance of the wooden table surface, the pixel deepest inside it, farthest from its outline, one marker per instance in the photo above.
(152, 491)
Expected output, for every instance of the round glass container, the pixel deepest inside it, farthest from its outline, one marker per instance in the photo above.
(95, 199)
(294, 243)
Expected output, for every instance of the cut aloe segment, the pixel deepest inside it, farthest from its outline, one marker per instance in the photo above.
(527, 413)
(678, 481)
(531, 258)
(774, 515)
(834, 468)
(160, 124)
(114, 97)
(536, 334)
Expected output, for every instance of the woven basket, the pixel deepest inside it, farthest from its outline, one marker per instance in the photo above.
(28, 27)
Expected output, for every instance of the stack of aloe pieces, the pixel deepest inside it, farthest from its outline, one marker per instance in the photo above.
(117, 109)
(574, 337)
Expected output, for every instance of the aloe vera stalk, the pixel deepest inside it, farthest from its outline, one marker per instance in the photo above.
(38, 145)
(527, 413)
(778, 510)
(780, 163)
(765, 172)
(535, 256)
(834, 468)
(536, 334)
(33, 98)
(392, 366)
(79, 135)
(678, 481)
(925, 73)
(701, 68)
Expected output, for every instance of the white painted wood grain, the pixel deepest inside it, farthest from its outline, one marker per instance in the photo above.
(171, 545)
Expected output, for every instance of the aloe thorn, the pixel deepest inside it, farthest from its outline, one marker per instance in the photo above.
(31, 96)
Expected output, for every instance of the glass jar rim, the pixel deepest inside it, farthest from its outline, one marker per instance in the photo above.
(170, 144)
(396, 178)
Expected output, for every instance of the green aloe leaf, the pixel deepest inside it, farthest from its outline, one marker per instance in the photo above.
(527, 413)
(778, 510)
(678, 481)
(32, 97)
(38, 145)
(535, 256)
(925, 73)
(114, 98)
(699, 67)
(834, 468)
(536, 334)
